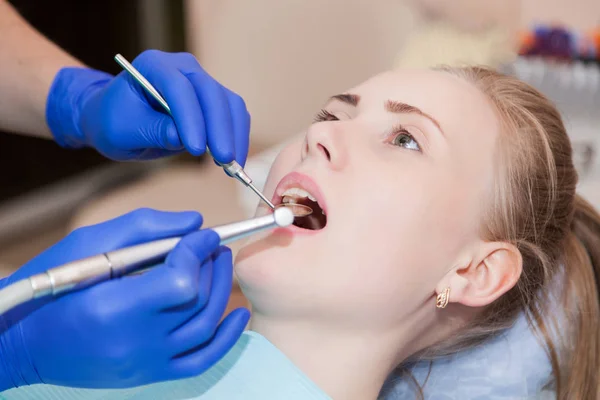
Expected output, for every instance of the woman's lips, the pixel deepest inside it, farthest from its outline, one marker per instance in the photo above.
(302, 181)
(296, 179)
(293, 230)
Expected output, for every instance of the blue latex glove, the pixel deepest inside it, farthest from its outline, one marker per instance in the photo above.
(160, 325)
(90, 108)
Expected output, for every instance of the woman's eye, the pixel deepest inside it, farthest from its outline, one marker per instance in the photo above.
(406, 140)
(325, 115)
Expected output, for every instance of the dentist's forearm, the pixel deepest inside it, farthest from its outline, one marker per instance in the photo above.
(28, 65)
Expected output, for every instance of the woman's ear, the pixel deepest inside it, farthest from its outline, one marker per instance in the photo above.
(492, 273)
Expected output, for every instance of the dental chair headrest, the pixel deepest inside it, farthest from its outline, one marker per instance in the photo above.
(513, 365)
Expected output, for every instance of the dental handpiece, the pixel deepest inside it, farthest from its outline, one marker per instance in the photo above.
(232, 169)
(89, 271)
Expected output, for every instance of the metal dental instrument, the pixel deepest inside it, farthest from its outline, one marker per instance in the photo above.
(232, 169)
(80, 274)
(299, 210)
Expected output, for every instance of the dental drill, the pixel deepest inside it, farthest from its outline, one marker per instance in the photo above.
(89, 271)
(232, 169)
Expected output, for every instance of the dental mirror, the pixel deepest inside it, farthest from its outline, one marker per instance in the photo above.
(299, 210)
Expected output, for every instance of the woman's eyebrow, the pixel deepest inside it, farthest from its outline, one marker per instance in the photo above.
(403, 108)
(347, 98)
(390, 105)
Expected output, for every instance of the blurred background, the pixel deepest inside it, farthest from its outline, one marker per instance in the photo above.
(284, 58)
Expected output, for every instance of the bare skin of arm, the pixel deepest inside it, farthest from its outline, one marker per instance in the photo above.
(28, 65)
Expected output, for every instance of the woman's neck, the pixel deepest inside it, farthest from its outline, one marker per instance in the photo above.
(345, 363)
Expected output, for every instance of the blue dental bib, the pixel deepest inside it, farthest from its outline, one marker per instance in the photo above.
(253, 370)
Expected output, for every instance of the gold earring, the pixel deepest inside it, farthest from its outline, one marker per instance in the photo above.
(443, 298)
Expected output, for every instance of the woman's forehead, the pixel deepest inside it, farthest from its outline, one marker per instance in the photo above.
(402, 85)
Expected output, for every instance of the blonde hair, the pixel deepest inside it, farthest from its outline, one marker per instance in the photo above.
(535, 207)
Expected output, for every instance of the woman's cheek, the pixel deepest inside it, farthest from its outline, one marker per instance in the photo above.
(284, 163)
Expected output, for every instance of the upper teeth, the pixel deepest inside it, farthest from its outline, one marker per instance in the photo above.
(290, 193)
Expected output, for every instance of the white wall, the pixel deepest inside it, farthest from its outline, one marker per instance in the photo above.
(579, 14)
(286, 56)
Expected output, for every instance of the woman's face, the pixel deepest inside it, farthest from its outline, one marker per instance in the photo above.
(402, 166)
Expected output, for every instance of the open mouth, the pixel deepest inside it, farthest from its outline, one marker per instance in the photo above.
(315, 221)
(299, 191)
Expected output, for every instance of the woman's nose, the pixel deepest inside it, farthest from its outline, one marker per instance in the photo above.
(322, 141)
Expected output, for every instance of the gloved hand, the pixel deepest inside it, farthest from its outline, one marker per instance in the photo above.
(159, 325)
(86, 107)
